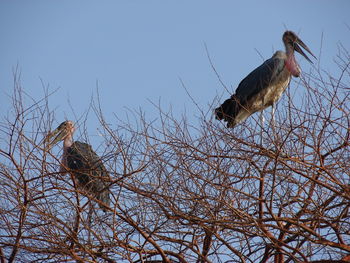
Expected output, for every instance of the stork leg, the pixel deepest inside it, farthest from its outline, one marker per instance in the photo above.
(262, 122)
(273, 123)
(91, 209)
(273, 115)
(262, 119)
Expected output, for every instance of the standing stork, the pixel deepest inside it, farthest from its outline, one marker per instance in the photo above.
(264, 86)
(82, 163)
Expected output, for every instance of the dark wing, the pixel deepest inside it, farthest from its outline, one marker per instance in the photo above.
(259, 79)
(89, 170)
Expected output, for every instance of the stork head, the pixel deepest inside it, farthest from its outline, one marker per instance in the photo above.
(63, 131)
(292, 42)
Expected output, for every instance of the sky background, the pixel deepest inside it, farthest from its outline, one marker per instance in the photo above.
(137, 51)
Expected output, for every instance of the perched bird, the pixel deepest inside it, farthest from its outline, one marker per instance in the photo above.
(82, 163)
(264, 86)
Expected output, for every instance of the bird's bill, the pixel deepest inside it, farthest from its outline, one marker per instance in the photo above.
(55, 136)
(299, 50)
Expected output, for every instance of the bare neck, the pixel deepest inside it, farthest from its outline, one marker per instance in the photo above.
(68, 142)
(289, 51)
(291, 63)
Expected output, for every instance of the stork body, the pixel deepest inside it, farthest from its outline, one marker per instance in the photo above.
(264, 86)
(83, 164)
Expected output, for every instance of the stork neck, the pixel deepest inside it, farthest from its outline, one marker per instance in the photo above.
(68, 142)
(292, 64)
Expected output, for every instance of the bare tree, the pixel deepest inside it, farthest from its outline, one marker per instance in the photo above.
(187, 192)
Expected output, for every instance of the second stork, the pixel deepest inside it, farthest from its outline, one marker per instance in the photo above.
(82, 163)
(264, 86)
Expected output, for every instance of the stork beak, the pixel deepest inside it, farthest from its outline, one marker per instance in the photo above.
(55, 136)
(299, 50)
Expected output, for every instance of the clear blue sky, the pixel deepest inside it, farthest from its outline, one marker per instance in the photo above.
(138, 50)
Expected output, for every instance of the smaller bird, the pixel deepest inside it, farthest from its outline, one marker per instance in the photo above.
(264, 86)
(82, 163)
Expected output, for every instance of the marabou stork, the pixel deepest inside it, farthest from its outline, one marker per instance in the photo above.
(82, 163)
(264, 86)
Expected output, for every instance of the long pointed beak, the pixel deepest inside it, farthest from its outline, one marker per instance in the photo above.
(299, 50)
(55, 136)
